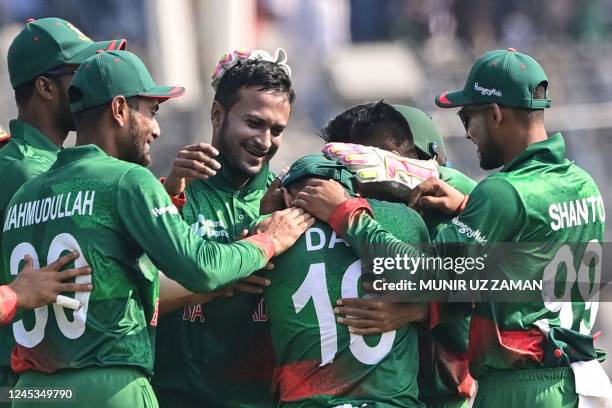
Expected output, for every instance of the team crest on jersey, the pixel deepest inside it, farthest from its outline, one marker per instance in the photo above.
(209, 228)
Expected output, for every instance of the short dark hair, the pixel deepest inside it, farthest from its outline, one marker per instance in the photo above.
(535, 115)
(264, 76)
(375, 124)
(25, 92)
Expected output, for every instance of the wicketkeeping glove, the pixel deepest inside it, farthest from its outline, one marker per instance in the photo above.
(389, 172)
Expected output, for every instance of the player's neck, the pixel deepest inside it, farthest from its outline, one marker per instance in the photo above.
(46, 127)
(85, 137)
(523, 140)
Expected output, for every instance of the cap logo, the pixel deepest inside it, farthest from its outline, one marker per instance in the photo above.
(79, 33)
(487, 91)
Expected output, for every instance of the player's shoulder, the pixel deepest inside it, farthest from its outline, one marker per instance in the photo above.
(400, 220)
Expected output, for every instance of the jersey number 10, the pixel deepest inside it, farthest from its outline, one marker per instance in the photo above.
(315, 287)
(71, 329)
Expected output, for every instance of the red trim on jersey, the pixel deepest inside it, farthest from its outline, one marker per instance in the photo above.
(19, 360)
(345, 214)
(304, 379)
(264, 242)
(8, 304)
(516, 346)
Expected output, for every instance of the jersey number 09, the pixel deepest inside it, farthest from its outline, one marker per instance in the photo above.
(73, 328)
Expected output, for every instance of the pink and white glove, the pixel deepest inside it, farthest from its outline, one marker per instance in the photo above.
(377, 166)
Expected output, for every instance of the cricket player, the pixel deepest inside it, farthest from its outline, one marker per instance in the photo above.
(540, 353)
(98, 199)
(320, 362)
(444, 379)
(41, 62)
(226, 357)
(33, 288)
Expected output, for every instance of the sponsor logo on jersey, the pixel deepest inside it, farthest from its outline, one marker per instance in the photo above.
(469, 231)
(209, 228)
(486, 91)
(576, 212)
(49, 208)
(170, 209)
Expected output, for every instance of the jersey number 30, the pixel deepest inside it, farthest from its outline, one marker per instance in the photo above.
(73, 328)
(315, 287)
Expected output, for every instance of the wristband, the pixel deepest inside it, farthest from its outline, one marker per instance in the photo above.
(343, 214)
(264, 242)
(8, 304)
(178, 200)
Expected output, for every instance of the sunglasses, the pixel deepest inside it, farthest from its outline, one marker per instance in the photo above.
(466, 111)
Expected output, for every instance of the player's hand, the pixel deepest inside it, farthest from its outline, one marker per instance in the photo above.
(285, 227)
(251, 284)
(273, 199)
(321, 198)
(437, 194)
(192, 161)
(374, 315)
(203, 298)
(38, 287)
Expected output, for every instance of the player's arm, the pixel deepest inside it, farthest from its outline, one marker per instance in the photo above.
(33, 288)
(494, 209)
(149, 216)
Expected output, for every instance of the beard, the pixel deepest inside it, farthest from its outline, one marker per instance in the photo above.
(232, 155)
(63, 117)
(135, 149)
(490, 156)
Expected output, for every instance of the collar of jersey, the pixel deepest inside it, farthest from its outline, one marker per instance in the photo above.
(32, 136)
(551, 150)
(223, 179)
(72, 154)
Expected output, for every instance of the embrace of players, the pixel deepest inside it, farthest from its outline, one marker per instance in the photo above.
(223, 285)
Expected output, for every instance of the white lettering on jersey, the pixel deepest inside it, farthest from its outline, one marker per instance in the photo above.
(170, 209)
(577, 212)
(49, 209)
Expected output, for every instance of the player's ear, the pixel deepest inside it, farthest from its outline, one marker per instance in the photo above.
(44, 87)
(217, 114)
(287, 198)
(120, 110)
(498, 116)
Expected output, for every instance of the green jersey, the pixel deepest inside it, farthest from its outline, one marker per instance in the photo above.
(111, 212)
(29, 154)
(435, 220)
(319, 363)
(443, 350)
(539, 197)
(224, 352)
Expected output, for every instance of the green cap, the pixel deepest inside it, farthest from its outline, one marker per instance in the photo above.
(108, 74)
(317, 165)
(427, 138)
(46, 43)
(506, 77)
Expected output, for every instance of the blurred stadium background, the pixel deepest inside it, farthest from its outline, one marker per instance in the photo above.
(344, 52)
